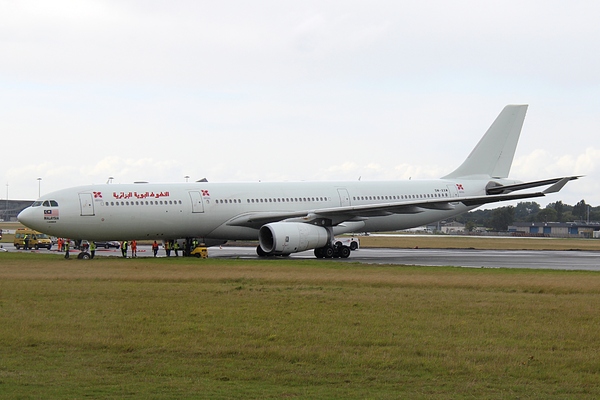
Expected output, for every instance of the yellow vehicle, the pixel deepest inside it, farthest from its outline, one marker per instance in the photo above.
(35, 239)
(199, 252)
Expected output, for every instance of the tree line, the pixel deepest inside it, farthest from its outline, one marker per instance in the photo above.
(498, 219)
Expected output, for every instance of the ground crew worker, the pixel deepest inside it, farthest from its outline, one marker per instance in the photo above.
(59, 243)
(168, 248)
(133, 248)
(67, 243)
(124, 248)
(92, 249)
(155, 248)
(176, 248)
(26, 241)
(194, 243)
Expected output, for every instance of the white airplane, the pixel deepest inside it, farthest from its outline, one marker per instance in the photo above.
(289, 217)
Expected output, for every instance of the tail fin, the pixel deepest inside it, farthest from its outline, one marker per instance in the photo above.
(493, 155)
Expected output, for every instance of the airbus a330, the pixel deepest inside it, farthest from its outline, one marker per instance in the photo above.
(289, 217)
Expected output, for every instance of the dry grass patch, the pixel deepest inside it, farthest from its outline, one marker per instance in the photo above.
(293, 328)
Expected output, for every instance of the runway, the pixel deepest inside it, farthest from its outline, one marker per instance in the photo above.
(558, 260)
(562, 260)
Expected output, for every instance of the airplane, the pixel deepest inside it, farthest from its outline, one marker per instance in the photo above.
(289, 217)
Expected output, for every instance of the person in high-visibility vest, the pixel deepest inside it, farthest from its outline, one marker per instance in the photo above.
(66, 246)
(92, 249)
(124, 248)
(155, 248)
(168, 248)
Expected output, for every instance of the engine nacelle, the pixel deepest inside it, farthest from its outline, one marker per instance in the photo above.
(291, 237)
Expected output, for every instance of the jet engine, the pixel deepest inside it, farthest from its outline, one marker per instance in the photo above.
(284, 238)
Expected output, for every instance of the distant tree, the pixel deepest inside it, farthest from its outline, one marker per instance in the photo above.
(502, 218)
(546, 215)
(560, 209)
(525, 210)
(568, 217)
(580, 210)
(470, 226)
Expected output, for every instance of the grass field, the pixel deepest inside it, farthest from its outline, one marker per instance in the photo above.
(183, 328)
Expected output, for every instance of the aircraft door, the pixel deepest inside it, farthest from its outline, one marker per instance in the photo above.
(452, 190)
(344, 197)
(86, 204)
(197, 204)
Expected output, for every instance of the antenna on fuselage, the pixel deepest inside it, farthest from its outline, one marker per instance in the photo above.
(110, 179)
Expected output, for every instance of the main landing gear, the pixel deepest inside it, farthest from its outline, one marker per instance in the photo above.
(338, 250)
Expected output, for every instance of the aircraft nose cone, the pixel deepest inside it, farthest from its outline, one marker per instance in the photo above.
(27, 217)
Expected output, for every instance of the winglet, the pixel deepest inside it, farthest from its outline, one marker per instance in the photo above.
(558, 185)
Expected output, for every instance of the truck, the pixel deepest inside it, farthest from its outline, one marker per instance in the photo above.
(35, 239)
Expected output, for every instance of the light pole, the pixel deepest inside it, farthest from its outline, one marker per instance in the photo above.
(39, 186)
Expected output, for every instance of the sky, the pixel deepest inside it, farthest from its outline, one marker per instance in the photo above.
(292, 91)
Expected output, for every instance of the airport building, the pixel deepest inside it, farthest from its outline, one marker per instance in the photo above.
(9, 209)
(556, 229)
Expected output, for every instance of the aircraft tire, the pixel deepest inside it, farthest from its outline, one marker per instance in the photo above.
(345, 252)
(261, 252)
(353, 246)
(328, 252)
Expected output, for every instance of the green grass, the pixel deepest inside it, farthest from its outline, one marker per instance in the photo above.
(182, 328)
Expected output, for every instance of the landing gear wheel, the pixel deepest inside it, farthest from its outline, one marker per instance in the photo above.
(319, 253)
(328, 252)
(353, 246)
(345, 252)
(261, 252)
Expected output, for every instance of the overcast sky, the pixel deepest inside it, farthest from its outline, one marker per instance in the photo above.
(280, 90)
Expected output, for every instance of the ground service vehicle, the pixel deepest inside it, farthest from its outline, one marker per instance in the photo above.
(199, 252)
(36, 240)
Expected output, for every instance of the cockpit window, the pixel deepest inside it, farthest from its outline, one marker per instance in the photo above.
(46, 203)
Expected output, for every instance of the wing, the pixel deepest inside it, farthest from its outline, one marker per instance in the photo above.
(337, 215)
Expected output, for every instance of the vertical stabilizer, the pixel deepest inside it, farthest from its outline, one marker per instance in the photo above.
(493, 155)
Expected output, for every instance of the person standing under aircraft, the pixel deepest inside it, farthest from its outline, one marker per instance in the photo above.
(133, 249)
(176, 248)
(92, 249)
(124, 248)
(155, 248)
(168, 248)
(26, 241)
(59, 243)
(66, 246)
